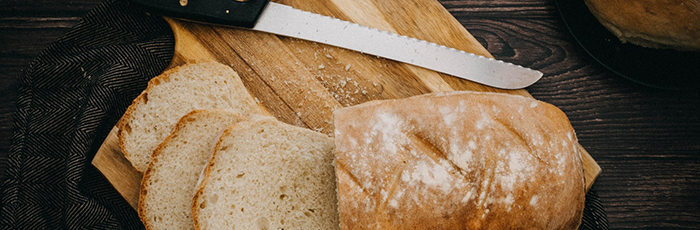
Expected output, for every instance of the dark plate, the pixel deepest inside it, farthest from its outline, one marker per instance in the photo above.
(659, 68)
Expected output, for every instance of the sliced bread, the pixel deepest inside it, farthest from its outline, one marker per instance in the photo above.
(170, 180)
(171, 95)
(266, 174)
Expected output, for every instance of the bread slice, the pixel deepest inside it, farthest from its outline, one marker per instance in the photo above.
(171, 95)
(458, 160)
(266, 174)
(171, 178)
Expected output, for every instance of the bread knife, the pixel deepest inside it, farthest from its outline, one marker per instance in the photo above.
(279, 19)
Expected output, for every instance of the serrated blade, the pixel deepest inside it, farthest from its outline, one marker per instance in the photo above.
(287, 21)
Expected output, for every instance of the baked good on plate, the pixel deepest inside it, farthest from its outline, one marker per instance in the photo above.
(671, 24)
(457, 160)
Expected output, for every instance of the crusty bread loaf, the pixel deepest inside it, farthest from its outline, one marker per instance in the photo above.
(458, 160)
(266, 174)
(651, 23)
(169, 96)
(169, 182)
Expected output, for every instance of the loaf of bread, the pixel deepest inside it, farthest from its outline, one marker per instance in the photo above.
(165, 201)
(457, 160)
(171, 95)
(671, 24)
(266, 174)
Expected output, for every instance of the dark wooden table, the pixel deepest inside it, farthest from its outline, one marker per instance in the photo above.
(646, 140)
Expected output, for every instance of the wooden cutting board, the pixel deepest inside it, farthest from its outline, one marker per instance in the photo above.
(302, 82)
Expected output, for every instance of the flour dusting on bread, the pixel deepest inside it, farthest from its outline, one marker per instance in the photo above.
(457, 160)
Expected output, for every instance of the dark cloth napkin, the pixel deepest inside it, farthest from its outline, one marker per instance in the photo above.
(69, 99)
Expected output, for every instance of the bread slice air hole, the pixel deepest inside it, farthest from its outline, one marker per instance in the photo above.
(127, 128)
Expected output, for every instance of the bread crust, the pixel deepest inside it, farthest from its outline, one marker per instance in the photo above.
(124, 123)
(123, 127)
(322, 214)
(458, 160)
(673, 24)
(204, 178)
(206, 172)
(184, 121)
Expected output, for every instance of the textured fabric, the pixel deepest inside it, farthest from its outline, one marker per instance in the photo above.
(594, 216)
(68, 101)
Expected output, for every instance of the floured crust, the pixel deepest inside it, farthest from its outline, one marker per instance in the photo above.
(671, 24)
(457, 160)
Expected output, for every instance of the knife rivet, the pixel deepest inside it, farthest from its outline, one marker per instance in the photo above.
(183, 2)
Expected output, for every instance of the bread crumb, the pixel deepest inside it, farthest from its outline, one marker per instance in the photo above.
(533, 200)
(509, 200)
(393, 203)
(448, 115)
(483, 122)
(405, 177)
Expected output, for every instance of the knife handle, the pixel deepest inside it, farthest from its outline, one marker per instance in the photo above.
(241, 13)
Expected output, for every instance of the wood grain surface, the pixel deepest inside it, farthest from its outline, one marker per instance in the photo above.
(301, 83)
(646, 140)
